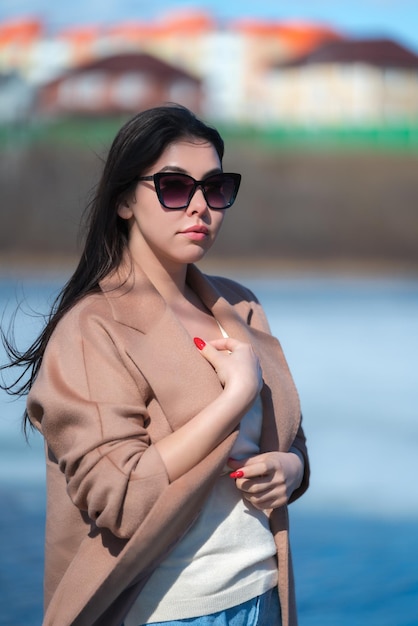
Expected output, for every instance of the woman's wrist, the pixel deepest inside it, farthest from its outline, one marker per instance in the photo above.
(241, 398)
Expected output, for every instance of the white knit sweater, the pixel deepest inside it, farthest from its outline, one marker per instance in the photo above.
(226, 558)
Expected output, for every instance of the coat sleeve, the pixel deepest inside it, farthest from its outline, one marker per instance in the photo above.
(300, 444)
(93, 417)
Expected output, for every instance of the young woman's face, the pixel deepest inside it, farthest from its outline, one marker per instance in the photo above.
(174, 236)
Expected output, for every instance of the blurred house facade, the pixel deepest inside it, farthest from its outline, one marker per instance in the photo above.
(244, 72)
(346, 82)
(118, 84)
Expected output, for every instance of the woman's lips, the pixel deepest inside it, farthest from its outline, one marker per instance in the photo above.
(196, 233)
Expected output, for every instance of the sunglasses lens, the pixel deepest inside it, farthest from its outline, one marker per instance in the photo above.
(175, 190)
(220, 191)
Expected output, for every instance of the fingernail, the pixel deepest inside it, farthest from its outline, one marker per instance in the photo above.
(199, 343)
(237, 474)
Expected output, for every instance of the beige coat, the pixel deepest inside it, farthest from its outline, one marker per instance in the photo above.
(119, 373)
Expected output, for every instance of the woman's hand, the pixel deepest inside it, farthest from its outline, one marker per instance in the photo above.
(268, 480)
(237, 367)
(239, 372)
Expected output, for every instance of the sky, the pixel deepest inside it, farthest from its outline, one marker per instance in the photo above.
(397, 19)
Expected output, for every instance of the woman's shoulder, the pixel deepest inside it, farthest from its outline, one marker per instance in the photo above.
(232, 288)
(92, 307)
(242, 299)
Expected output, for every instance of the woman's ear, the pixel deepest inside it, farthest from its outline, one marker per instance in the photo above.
(124, 210)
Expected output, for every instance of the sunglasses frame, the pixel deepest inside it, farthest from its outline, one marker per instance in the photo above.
(156, 178)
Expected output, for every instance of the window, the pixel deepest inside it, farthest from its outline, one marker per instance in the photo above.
(86, 91)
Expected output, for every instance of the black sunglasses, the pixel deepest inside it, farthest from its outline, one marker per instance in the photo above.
(175, 191)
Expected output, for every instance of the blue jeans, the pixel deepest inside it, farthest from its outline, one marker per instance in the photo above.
(260, 611)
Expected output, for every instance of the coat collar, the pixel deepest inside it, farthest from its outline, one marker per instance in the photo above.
(137, 303)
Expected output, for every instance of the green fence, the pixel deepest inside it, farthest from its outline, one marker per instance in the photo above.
(403, 138)
(99, 132)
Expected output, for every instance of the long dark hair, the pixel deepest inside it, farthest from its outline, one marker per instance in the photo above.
(137, 146)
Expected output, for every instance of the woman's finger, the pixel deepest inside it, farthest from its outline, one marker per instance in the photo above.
(226, 343)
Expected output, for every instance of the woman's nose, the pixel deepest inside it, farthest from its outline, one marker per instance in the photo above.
(198, 202)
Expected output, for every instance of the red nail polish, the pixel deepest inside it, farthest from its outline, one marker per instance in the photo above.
(237, 474)
(199, 343)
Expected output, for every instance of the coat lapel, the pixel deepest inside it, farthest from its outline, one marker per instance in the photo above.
(183, 381)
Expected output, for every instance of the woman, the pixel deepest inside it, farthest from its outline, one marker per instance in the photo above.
(172, 425)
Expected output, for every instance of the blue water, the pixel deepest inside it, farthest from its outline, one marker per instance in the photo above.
(352, 345)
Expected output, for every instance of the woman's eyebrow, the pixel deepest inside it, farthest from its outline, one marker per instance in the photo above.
(180, 170)
(173, 168)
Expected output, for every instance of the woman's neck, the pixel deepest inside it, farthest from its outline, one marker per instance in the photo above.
(170, 282)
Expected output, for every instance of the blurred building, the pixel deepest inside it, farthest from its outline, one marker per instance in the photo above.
(245, 72)
(18, 38)
(236, 60)
(351, 82)
(227, 58)
(123, 83)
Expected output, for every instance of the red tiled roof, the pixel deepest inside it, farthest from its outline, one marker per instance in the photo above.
(80, 34)
(176, 23)
(20, 30)
(188, 22)
(130, 62)
(377, 52)
(299, 36)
